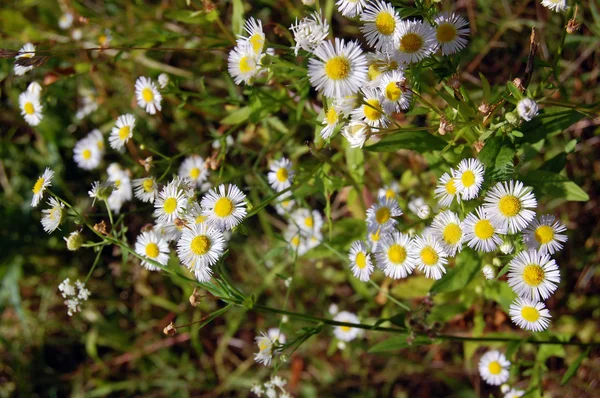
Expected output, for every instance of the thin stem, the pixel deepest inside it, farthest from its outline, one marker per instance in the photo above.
(389, 296)
(112, 224)
(95, 263)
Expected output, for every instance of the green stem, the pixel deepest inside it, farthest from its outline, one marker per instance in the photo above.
(95, 263)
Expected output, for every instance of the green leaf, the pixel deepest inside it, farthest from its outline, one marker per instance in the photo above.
(398, 342)
(238, 116)
(237, 17)
(514, 91)
(490, 151)
(546, 183)
(467, 266)
(574, 366)
(419, 141)
(551, 122)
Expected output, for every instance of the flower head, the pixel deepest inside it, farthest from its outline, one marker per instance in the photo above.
(361, 263)
(153, 247)
(147, 95)
(493, 368)
(309, 32)
(224, 206)
(395, 255)
(416, 41)
(122, 131)
(199, 248)
(529, 315)
(40, 186)
(545, 235)
(281, 174)
(430, 256)
(194, 169)
(27, 51)
(451, 31)
(53, 216)
(382, 25)
(346, 333)
(31, 108)
(533, 275)
(509, 204)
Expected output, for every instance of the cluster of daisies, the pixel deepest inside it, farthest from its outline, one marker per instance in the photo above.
(245, 60)
(494, 369)
(74, 294)
(504, 218)
(273, 388)
(269, 345)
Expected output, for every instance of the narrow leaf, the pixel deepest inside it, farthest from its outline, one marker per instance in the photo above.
(574, 366)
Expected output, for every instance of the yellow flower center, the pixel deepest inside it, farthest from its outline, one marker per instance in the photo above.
(200, 219)
(148, 184)
(29, 109)
(170, 205)
(411, 43)
(373, 72)
(103, 39)
(396, 254)
(296, 240)
(390, 194)
(530, 314)
(308, 221)
(533, 275)
(151, 250)
(345, 329)
(484, 229)
(200, 245)
(385, 23)
(247, 64)
(494, 368)
(263, 345)
(332, 116)
(337, 68)
(361, 260)
(544, 234)
(372, 109)
(375, 237)
(124, 133)
(392, 92)
(194, 173)
(147, 94)
(223, 207)
(446, 33)
(38, 185)
(257, 42)
(282, 174)
(100, 145)
(452, 233)
(117, 183)
(86, 154)
(383, 215)
(429, 256)
(468, 178)
(509, 205)
(450, 187)
(55, 213)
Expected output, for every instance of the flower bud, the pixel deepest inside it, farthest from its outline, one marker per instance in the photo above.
(423, 212)
(488, 272)
(163, 80)
(507, 247)
(74, 241)
(496, 262)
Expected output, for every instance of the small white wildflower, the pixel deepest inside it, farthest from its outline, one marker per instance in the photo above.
(163, 80)
(527, 109)
(488, 272)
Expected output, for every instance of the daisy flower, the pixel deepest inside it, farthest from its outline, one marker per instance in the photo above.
(533, 275)
(145, 189)
(122, 131)
(122, 192)
(86, 154)
(102, 190)
(330, 121)
(268, 346)
(371, 111)
(286, 204)
(468, 178)
(309, 33)
(514, 393)
(446, 227)
(281, 174)
(545, 235)
(351, 8)
(374, 239)
(380, 216)
(555, 5)
(147, 95)
(65, 21)
(27, 51)
(31, 108)
(194, 169)
(360, 261)
(243, 64)
(395, 98)
(296, 239)
(356, 132)
(382, 25)
(152, 246)
(170, 204)
(416, 41)
(527, 109)
(529, 315)
(256, 36)
(338, 69)
(199, 248)
(429, 256)
(40, 186)
(451, 32)
(508, 204)
(224, 206)
(493, 368)
(395, 256)
(346, 333)
(480, 232)
(307, 221)
(53, 216)
(390, 191)
(98, 139)
(445, 192)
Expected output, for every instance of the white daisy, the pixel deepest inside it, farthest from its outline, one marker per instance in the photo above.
(446, 192)
(53, 216)
(416, 41)
(533, 275)
(451, 32)
(330, 121)
(380, 216)
(346, 333)
(371, 110)
(122, 183)
(545, 235)
(65, 21)
(480, 232)
(357, 132)
(514, 393)
(390, 191)
(309, 32)
(527, 109)
(508, 204)
(529, 315)
(360, 261)
(40, 186)
(86, 154)
(429, 255)
(145, 189)
(256, 36)
(395, 97)
(447, 228)
(281, 174)
(243, 64)
(147, 95)
(338, 69)
(122, 131)
(307, 221)
(170, 204)
(27, 51)
(194, 169)
(296, 239)
(268, 346)
(345, 105)
(382, 25)
(101, 191)
(224, 206)
(170, 232)
(468, 178)
(152, 246)
(285, 204)
(493, 368)
(555, 5)
(31, 108)
(199, 248)
(97, 138)
(351, 8)
(374, 239)
(395, 256)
